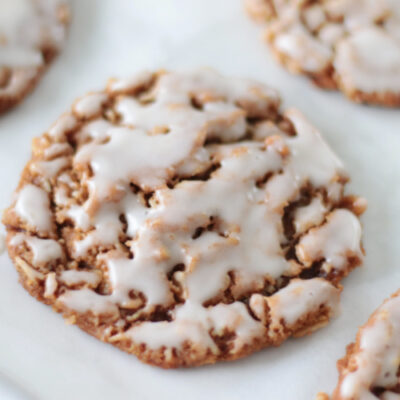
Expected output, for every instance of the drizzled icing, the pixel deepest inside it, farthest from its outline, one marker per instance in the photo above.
(50, 285)
(295, 302)
(359, 38)
(27, 27)
(182, 205)
(301, 298)
(33, 207)
(376, 359)
(73, 277)
(310, 215)
(317, 244)
(43, 250)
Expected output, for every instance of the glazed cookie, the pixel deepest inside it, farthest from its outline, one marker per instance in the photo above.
(32, 32)
(370, 369)
(350, 45)
(185, 219)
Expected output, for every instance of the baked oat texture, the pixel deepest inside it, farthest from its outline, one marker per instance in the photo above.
(349, 45)
(370, 369)
(185, 219)
(32, 32)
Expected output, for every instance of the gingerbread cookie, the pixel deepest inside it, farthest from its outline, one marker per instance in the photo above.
(32, 32)
(370, 369)
(350, 45)
(185, 219)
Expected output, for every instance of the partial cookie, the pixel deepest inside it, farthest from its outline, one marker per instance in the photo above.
(32, 32)
(371, 368)
(185, 219)
(350, 45)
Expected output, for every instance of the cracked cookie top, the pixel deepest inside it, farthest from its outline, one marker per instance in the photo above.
(184, 218)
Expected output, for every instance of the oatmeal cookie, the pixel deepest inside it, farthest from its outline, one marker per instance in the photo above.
(184, 218)
(349, 45)
(370, 369)
(32, 32)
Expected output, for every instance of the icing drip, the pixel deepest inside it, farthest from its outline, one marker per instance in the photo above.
(73, 277)
(318, 244)
(33, 207)
(43, 250)
(301, 299)
(311, 215)
(50, 285)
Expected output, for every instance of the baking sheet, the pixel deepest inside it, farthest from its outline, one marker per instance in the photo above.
(42, 358)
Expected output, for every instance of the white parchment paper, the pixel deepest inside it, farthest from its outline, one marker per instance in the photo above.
(42, 358)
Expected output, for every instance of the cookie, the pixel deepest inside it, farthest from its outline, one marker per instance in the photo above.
(349, 45)
(32, 32)
(184, 218)
(370, 369)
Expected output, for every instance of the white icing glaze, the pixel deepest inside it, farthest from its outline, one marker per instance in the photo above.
(310, 54)
(85, 300)
(331, 33)
(369, 60)
(61, 196)
(74, 277)
(323, 166)
(50, 285)
(90, 104)
(364, 49)
(300, 299)
(25, 27)
(378, 357)
(63, 125)
(107, 223)
(342, 225)
(165, 137)
(130, 84)
(33, 207)
(233, 317)
(56, 149)
(314, 17)
(13, 12)
(43, 250)
(172, 110)
(49, 169)
(310, 215)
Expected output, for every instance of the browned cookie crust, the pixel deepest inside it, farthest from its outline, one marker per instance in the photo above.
(29, 40)
(184, 218)
(349, 45)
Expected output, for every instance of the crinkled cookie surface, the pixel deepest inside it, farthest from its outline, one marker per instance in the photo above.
(185, 219)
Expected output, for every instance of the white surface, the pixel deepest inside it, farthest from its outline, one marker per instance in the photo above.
(42, 358)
